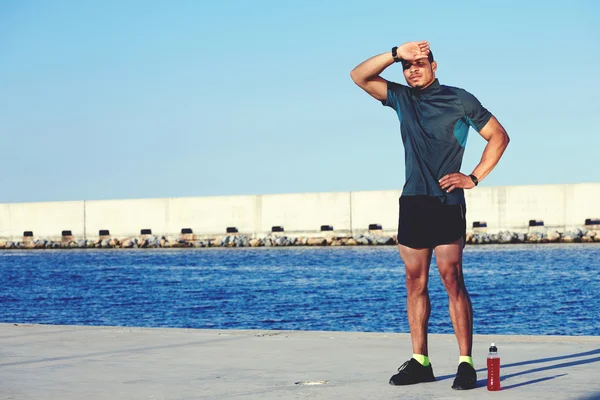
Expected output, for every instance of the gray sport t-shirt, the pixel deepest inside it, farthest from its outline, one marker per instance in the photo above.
(434, 123)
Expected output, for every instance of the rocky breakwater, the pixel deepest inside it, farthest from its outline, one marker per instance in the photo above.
(285, 241)
(233, 240)
(279, 240)
(548, 236)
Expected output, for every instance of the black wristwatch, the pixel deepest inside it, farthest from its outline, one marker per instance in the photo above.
(395, 54)
(474, 179)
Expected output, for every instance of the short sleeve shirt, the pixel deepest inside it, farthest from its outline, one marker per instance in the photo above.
(434, 123)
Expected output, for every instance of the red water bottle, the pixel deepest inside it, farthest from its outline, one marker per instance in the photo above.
(493, 365)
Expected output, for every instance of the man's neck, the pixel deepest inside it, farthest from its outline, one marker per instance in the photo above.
(429, 84)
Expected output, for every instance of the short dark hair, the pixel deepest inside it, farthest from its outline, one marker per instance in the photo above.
(430, 56)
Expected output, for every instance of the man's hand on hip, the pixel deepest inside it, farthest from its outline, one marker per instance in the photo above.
(456, 180)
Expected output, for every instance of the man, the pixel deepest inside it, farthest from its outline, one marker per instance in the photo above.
(434, 120)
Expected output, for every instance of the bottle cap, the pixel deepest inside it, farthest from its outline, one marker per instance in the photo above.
(493, 348)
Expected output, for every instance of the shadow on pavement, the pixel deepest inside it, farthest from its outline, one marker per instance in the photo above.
(595, 396)
(549, 367)
(543, 360)
(482, 382)
(528, 382)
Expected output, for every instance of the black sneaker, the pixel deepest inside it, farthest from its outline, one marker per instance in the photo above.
(412, 372)
(466, 377)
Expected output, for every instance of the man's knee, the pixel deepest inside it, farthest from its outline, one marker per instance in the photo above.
(416, 284)
(452, 278)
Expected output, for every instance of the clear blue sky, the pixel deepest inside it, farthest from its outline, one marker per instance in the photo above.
(148, 99)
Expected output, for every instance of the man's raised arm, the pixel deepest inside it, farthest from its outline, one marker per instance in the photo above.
(366, 74)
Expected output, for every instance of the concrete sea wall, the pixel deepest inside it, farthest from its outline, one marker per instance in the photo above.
(496, 209)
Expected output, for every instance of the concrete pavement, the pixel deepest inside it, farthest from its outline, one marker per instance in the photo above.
(75, 362)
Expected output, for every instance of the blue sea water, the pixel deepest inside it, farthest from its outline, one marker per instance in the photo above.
(515, 289)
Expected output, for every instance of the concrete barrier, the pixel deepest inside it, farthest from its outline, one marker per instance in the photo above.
(46, 220)
(561, 207)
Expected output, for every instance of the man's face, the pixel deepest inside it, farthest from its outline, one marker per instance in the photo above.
(420, 73)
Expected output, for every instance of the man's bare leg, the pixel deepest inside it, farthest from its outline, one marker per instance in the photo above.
(449, 261)
(417, 263)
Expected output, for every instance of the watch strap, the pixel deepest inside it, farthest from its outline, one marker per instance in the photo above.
(474, 179)
(395, 54)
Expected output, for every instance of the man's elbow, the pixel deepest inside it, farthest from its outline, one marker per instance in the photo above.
(505, 139)
(357, 78)
(502, 140)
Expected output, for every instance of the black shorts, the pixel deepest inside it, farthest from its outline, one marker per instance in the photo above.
(425, 222)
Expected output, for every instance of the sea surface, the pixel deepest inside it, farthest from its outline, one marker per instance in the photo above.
(546, 289)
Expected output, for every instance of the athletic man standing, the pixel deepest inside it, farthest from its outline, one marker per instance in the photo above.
(434, 121)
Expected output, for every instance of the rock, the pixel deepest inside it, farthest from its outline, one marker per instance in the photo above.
(553, 236)
(363, 241)
(567, 238)
(352, 242)
(317, 242)
(280, 241)
(127, 244)
(504, 237)
(113, 243)
(255, 242)
(597, 238)
(82, 244)
(304, 241)
(587, 239)
(383, 240)
(469, 237)
(571, 237)
(575, 237)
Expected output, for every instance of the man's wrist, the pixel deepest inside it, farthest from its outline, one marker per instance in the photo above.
(474, 179)
(395, 54)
